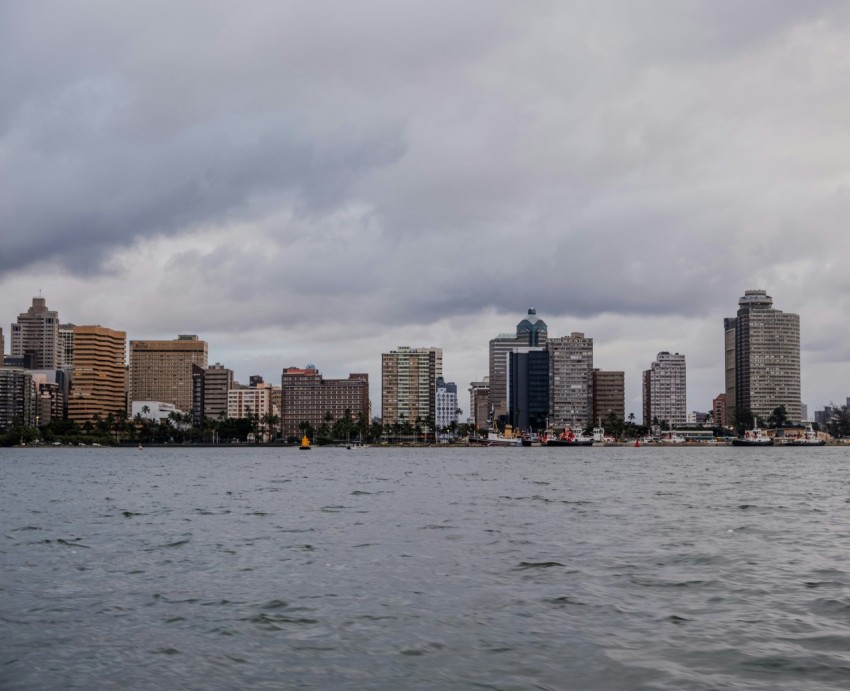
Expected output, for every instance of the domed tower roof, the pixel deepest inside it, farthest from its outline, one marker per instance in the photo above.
(534, 328)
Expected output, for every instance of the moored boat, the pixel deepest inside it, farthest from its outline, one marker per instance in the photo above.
(808, 438)
(753, 437)
(495, 439)
(530, 439)
(568, 438)
(671, 438)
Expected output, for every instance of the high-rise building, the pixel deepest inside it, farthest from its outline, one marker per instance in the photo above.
(446, 404)
(97, 374)
(17, 397)
(66, 345)
(530, 332)
(570, 380)
(528, 388)
(211, 388)
(255, 400)
(306, 397)
(409, 384)
(718, 410)
(162, 370)
(763, 362)
(665, 391)
(609, 396)
(479, 402)
(2, 348)
(35, 336)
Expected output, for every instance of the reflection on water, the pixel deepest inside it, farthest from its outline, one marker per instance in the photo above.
(610, 568)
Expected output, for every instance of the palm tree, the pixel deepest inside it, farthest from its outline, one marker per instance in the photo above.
(272, 423)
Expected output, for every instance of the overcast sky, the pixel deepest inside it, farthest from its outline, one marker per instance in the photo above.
(323, 182)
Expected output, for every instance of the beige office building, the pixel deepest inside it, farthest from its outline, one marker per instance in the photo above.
(162, 370)
(243, 401)
(35, 336)
(98, 373)
(409, 384)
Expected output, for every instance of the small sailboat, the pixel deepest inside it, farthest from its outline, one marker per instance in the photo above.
(305, 443)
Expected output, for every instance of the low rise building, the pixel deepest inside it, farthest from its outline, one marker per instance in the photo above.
(158, 411)
(307, 398)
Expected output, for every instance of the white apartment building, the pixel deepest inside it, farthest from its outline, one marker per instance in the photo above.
(570, 380)
(665, 391)
(446, 404)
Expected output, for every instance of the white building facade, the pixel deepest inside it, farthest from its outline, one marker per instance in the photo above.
(446, 404)
(570, 381)
(665, 386)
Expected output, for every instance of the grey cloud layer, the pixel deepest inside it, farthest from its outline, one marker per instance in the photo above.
(400, 162)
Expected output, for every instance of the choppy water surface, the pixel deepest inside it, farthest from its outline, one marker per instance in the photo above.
(433, 569)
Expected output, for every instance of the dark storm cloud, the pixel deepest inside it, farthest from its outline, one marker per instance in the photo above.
(122, 122)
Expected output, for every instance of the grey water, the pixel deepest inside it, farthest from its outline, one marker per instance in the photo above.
(377, 568)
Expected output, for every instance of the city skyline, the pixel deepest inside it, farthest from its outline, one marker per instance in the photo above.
(327, 184)
(377, 395)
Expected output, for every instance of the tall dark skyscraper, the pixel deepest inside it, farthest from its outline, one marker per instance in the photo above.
(531, 332)
(762, 359)
(528, 388)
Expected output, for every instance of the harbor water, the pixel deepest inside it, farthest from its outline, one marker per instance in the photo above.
(406, 568)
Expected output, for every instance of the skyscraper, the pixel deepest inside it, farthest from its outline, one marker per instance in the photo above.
(162, 370)
(98, 374)
(528, 388)
(665, 391)
(35, 336)
(570, 380)
(409, 384)
(530, 332)
(762, 359)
